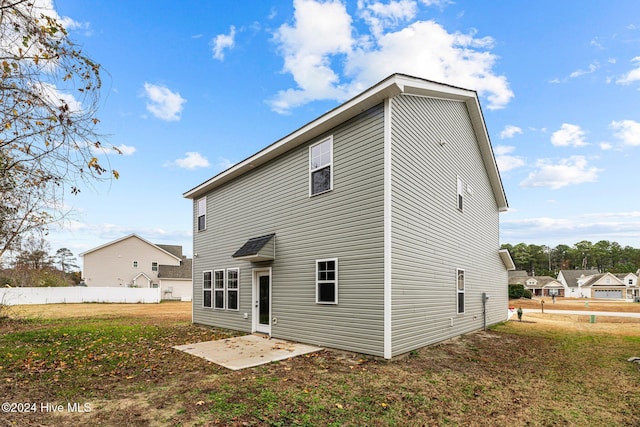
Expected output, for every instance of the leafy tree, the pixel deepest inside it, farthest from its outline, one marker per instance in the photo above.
(66, 259)
(49, 92)
(34, 254)
(605, 255)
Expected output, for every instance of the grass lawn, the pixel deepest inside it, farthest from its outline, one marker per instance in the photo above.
(99, 364)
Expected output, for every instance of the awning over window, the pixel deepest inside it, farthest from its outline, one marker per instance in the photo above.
(257, 249)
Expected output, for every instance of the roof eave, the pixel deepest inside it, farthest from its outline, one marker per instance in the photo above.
(390, 87)
(374, 96)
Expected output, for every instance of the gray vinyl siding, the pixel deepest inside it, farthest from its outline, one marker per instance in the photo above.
(345, 223)
(431, 238)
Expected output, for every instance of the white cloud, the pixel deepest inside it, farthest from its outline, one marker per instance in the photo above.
(380, 16)
(321, 30)
(125, 150)
(192, 160)
(510, 131)
(46, 7)
(440, 3)
(628, 131)
(623, 227)
(568, 135)
(507, 162)
(606, 146)
(57, 98)
(574, 170)
(633, 75)
(163, 103)
(221, 42)
(322, 44)
(224, 164)
(592, 68)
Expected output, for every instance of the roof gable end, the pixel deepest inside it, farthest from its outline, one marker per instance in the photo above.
(130, 236)
(393, 85)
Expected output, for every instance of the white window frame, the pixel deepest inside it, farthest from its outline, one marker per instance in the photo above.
(134, 264)
(334, 281)
(460, 293)
(154, 266)
(229, 289)
(328, 140)
(201, 211)
(217, 290)
(207, 289)
(459, 198)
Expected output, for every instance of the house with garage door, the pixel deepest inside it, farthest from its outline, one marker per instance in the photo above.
(132, 261)
(592, 284)
(572, 281)
(611, 286)
(373, 228)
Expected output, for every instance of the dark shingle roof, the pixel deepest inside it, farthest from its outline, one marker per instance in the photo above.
(572, 276)
(253, 246)
(182, 271)
(172, 249)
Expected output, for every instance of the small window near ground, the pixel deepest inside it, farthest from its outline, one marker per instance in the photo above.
(135, 264)
(327, 281)
(154, 266)
(460, 290)
(321, 167)
(232, 288)
(206, 289)
(202, 214)
(218, 289)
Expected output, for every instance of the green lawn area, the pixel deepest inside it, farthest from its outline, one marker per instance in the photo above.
(120, 370)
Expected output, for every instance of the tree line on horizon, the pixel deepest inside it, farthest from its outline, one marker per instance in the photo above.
(604, 256)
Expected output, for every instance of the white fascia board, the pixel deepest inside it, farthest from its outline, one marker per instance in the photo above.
(392, 86)
(125, 238)
(507, 260)
(370, 98)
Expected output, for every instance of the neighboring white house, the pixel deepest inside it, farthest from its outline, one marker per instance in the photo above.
(592, 284)
(572, 279)
(132, 261)
(374, 228)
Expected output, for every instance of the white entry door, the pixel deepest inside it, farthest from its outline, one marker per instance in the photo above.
(262, 301)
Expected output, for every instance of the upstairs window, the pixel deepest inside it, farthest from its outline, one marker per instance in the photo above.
(460, 290)
(321, 167)
(154, 266)
(327, 281)
(135, 264)
(202, 214)
(459, 193)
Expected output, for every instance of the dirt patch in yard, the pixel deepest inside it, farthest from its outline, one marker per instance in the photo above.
(120, 360)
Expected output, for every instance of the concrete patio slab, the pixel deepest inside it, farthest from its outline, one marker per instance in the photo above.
(246, 351)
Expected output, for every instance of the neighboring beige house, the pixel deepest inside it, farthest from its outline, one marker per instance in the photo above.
(611, 286)
(132, 261)
(540, 286)
(592, 284)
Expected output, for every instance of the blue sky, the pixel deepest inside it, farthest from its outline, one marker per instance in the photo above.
(192, 87)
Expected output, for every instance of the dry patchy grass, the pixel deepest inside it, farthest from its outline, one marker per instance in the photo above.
(543, 371)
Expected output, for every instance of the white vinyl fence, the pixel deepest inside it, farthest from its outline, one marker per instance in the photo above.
(78, 294)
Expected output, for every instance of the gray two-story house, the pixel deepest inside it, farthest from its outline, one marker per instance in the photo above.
(373, 228)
